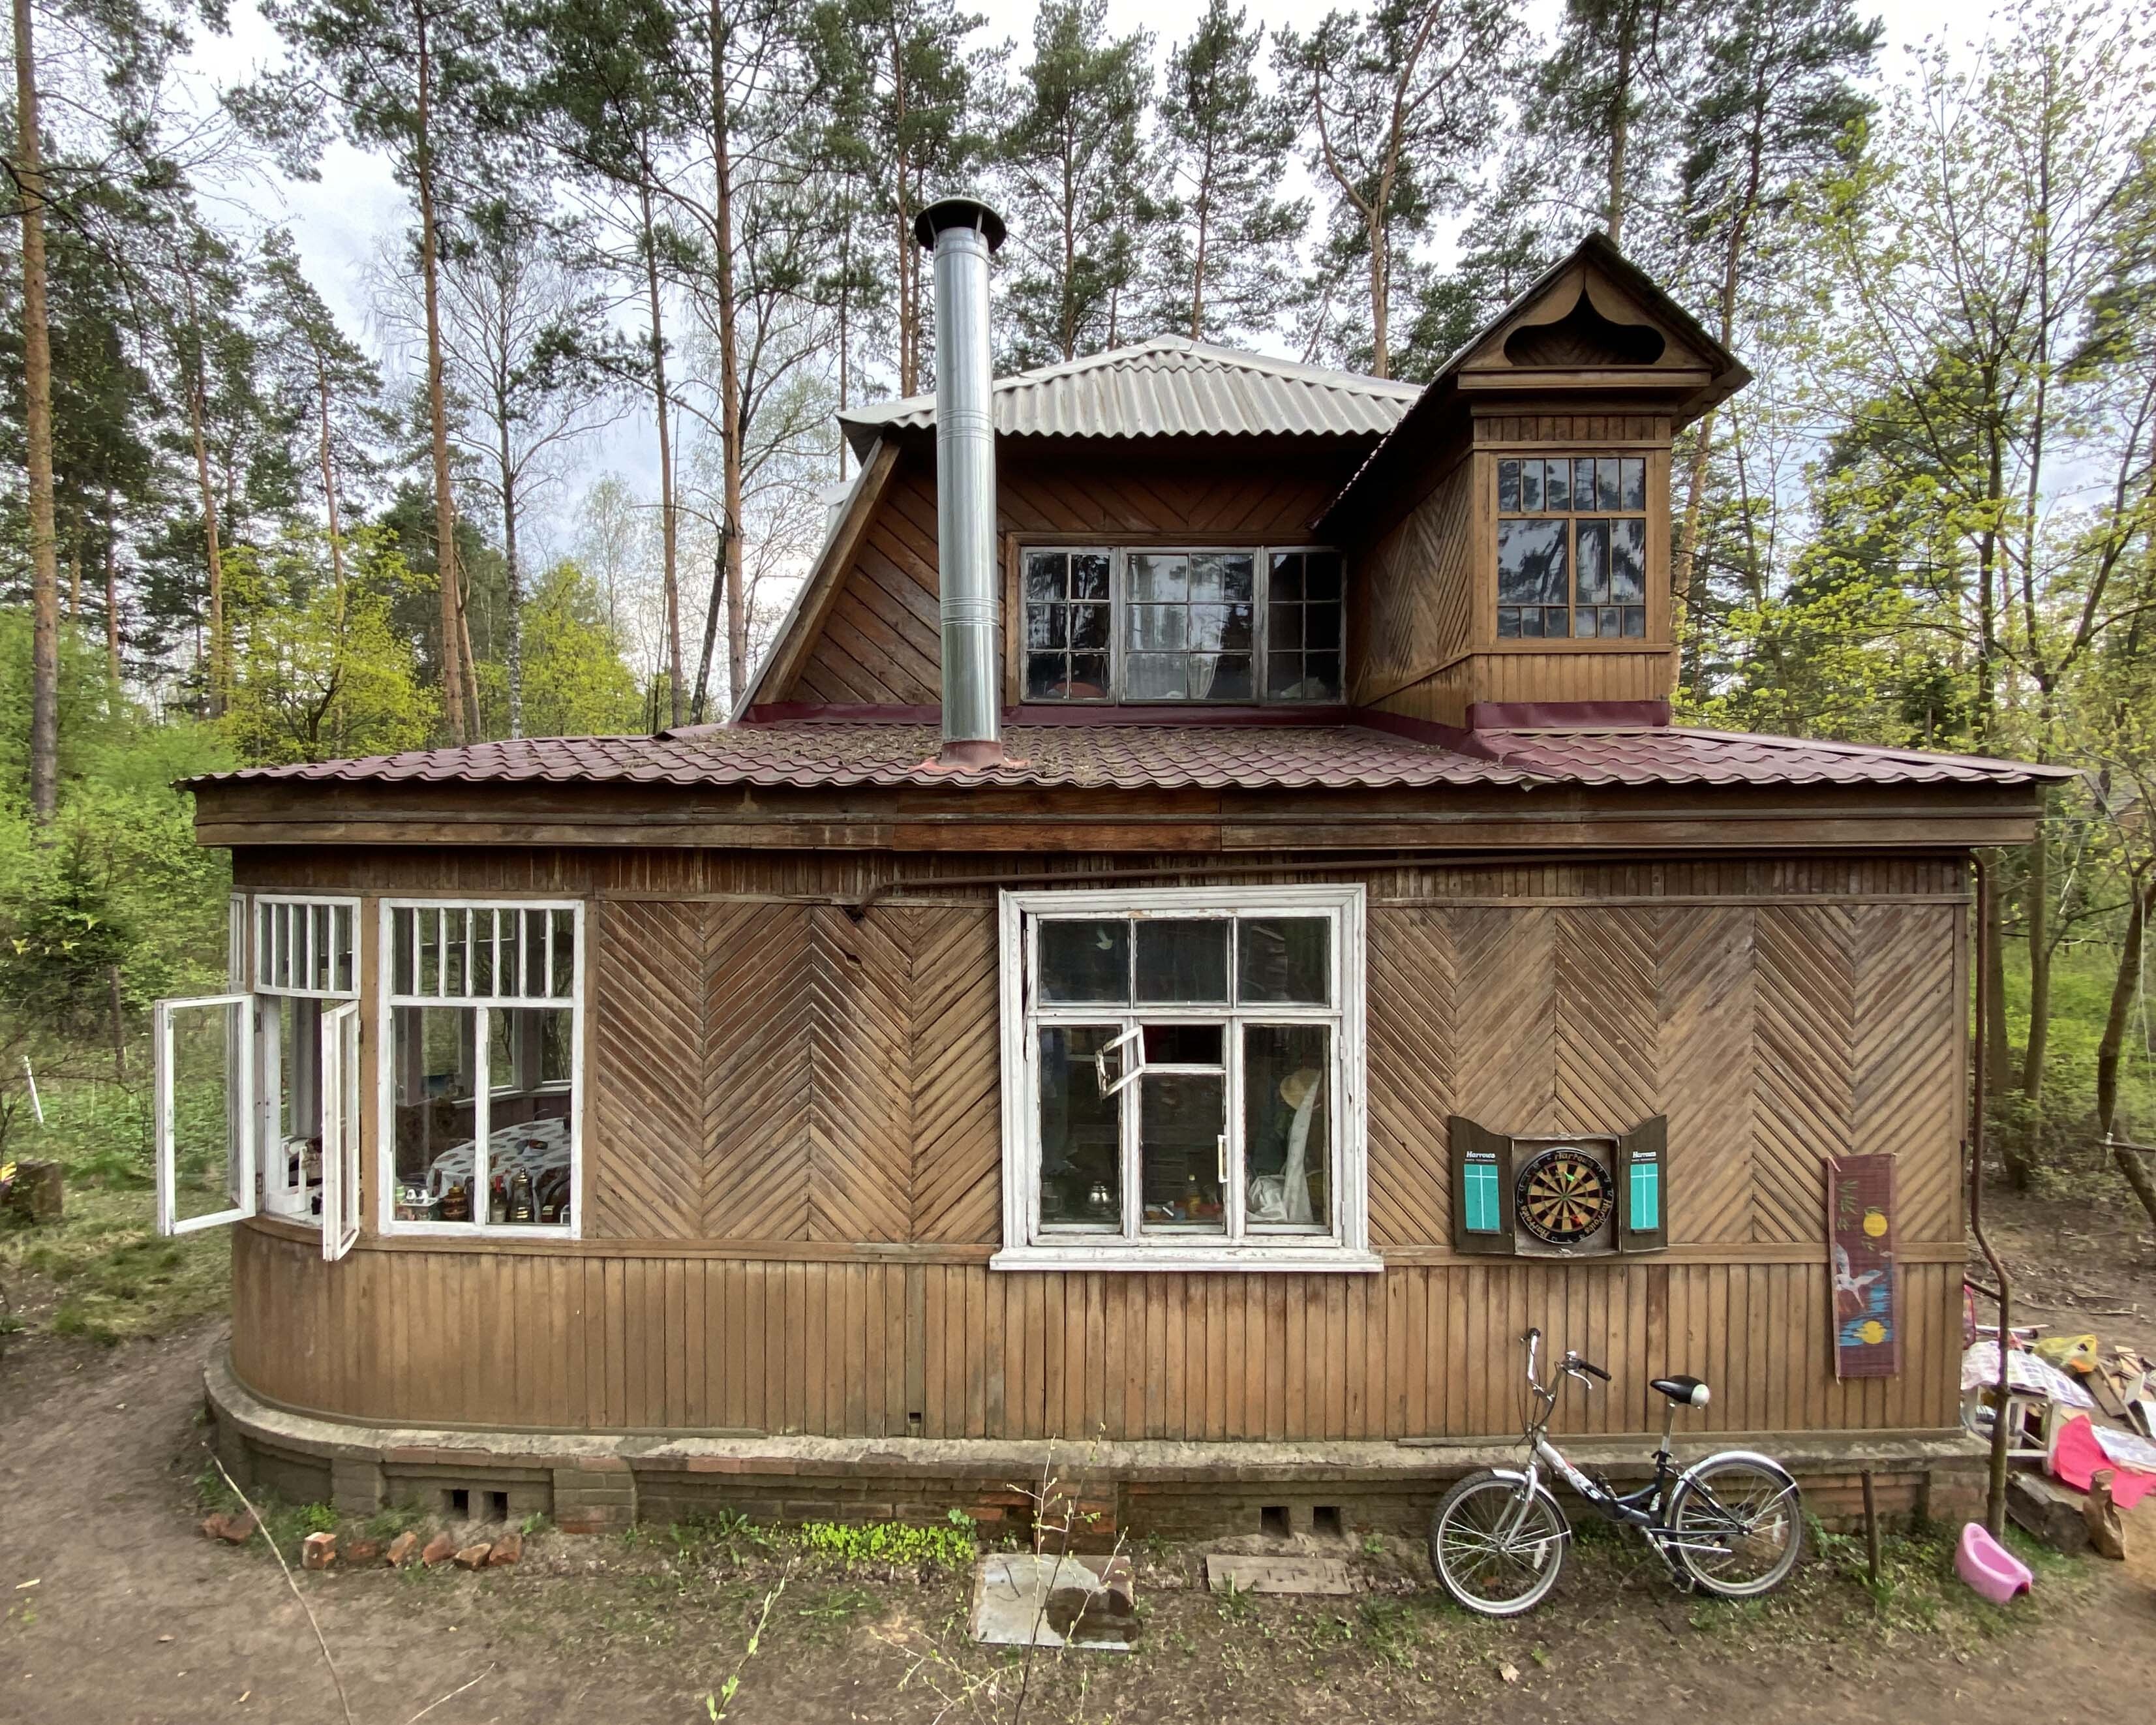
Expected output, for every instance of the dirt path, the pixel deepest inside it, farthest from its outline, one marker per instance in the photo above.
(137, 1618)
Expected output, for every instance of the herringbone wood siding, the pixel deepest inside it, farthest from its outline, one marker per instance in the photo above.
(766, 1077)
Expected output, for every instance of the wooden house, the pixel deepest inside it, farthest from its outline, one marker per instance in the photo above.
(1201, 930)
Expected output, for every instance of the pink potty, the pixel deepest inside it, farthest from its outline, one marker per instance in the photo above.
(1988, 1566)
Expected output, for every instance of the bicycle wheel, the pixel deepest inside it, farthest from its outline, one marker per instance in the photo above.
(1491, 1556)
(1739, 1523)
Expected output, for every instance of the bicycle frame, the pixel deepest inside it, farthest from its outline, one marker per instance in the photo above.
(1647, 1508)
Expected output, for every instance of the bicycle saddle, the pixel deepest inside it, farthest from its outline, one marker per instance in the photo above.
(1685, 1392)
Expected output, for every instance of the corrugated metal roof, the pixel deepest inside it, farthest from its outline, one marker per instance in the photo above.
(1169, 386)
(837, 754)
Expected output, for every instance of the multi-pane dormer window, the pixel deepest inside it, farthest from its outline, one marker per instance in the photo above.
(1572, 548)
(1254, 623)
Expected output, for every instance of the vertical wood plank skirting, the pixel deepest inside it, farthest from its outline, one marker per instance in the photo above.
(857, 1349)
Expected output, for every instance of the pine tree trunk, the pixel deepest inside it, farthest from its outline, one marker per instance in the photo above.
(1381, 359)
(512, 577)
(38, 435)
(730, 395)
(212, 552)
(1620, 118)
(329, 486)
(455, 645)
(112, 593)
(668, 520)
(2140, 902)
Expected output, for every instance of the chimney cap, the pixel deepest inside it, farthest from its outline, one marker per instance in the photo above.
(958, 213)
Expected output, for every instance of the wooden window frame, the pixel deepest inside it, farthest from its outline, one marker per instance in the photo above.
(1119, 550)
(1646, 641)
(1028, 1244)
(391, 998)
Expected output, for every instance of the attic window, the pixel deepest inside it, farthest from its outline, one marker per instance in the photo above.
(1250, 624)
(1572, 548)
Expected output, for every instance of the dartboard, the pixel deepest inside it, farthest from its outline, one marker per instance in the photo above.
(1562, 1195)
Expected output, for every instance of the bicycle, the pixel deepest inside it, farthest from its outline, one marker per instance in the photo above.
(1730, 1525)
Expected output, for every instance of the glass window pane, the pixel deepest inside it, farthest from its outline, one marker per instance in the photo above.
(436, 1064)
(1284, 628)
(1508, 486)
(531, 1104)
(1227, 678)
(1085, 961)
(1594, 553)
(1607, 487)
(401, 978)
(1044, 679)
(207, 1045)
(1628, 568)
(1154, 676)
(1045, 575)
(1557, 495)
(1321, 625)
(1531, 562)
(1321, 575)
(1081, 1163)
(1583, 621)
(1284, 676)
(1286, 577)
(1238, 577)
(1635, 483)
(1181, 1136)
(1320, 676)
(1046, 626)
(1158, 629)
(1283, 959)
(1531, 621)
(1635, 621)
(1531, 486)
(1207, 629)
(1583, 482)
(1185, 1045)
(1287, 1152)
(1089, 676)
(1183, 960)
(1089, 575)
(565, 954)
(1160, 576)
(1508, 622)
(1090, 627)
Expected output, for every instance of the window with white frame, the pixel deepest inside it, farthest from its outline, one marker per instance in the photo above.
(484, 1014)
(305, 962)
(1182, 1078)
(257, 1089)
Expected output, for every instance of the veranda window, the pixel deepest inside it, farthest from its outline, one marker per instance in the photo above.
(485, 1026)
(1182, 1079)
(257, 1098)
(1572, 548)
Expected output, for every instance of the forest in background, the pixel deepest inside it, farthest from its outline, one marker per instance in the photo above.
(233, 530)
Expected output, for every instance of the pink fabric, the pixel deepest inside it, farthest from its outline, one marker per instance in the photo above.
(2077, 1456)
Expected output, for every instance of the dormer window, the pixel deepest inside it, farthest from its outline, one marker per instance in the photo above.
(1144, 624)
(1572, 548)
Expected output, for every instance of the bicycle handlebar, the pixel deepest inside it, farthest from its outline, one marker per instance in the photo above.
(1593, 1370)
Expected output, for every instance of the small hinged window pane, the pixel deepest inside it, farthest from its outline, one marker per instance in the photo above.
(202, 1106)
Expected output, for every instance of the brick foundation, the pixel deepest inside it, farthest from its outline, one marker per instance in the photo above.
(590, 1484)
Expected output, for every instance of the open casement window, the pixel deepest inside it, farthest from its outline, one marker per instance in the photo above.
(1183, 1079)
(1582, 1196)
(340, 1070)
(305, 965)
(483, 1022)
(202, 1111)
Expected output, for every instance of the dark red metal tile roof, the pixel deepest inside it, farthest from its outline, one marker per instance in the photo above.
(837, 754)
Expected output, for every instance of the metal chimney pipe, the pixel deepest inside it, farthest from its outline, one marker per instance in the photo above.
(961, 232)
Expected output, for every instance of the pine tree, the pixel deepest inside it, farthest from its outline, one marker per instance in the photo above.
(1227, 251)
(1396, 106)
(1081, 184)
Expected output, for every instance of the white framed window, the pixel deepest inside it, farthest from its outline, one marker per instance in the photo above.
(1182, 1079)
(256, 1095)
(482, 1017)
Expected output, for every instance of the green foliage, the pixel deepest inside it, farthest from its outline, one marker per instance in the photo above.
(576, 682)
(950, 1547)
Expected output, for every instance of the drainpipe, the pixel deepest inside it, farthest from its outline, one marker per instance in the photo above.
(1995, 1502)
(961, 232)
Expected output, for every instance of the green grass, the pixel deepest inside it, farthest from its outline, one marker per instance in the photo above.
(102, 1271)
(2081, 978)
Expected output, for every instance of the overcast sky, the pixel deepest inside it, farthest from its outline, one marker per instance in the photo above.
(341, 220)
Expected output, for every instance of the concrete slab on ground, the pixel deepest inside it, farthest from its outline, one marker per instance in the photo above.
(1227, 1574)
(1025, 1600)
